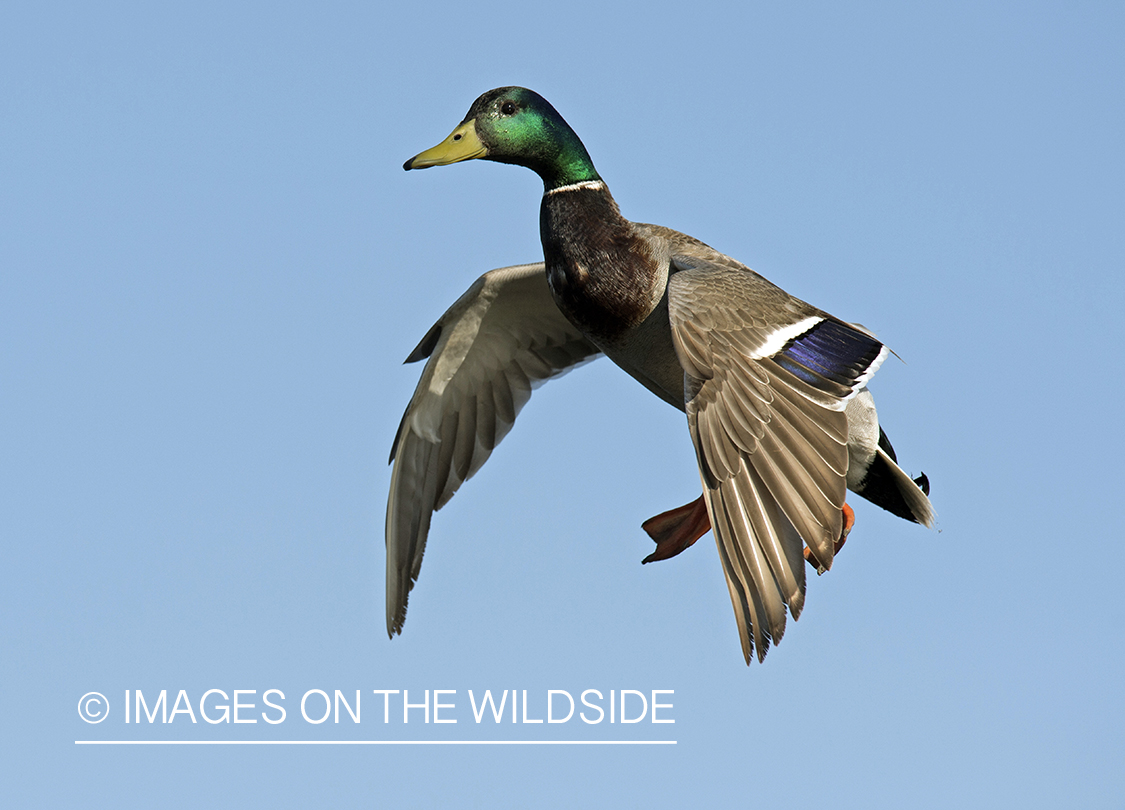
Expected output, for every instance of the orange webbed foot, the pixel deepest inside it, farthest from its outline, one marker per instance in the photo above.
(849, 522)
(677, 529)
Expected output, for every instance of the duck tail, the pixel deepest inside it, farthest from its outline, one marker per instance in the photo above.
(886, 485)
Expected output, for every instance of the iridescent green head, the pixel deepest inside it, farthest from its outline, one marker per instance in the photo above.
(515, 125)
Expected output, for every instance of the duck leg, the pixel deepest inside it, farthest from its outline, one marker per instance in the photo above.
(677, 529)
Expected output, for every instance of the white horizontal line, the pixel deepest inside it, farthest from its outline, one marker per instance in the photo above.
(375, 742)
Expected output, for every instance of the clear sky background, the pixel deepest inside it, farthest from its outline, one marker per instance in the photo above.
(213, 266)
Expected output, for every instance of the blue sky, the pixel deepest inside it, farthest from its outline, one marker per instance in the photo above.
(214, 266)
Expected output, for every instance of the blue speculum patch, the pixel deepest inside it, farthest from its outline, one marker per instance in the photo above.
(830, 352)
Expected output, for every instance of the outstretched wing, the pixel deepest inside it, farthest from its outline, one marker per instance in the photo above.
(767, 379)
(486, 353)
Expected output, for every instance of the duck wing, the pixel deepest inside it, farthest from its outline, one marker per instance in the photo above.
(499, 340)
(767, 378)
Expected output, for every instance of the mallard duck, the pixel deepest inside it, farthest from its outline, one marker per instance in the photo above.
(774, 389)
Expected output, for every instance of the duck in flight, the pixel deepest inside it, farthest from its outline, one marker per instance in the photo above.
(774, 389)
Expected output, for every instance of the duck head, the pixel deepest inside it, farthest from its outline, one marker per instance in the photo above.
(515, 125)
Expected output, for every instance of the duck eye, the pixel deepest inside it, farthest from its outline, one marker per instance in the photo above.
(507, 108)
